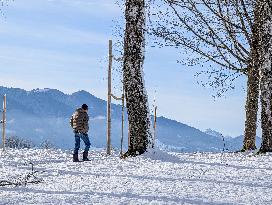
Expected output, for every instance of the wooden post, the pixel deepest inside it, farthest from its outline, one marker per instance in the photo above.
(109, 100)
(128, 136)
(155, 126)
(4, 122)
(123, 119)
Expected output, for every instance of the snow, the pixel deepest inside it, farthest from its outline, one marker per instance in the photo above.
(154, 178)
(38, 90)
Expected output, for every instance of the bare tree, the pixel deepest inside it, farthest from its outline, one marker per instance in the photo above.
(136, 96)
(18, 143)
(220, 35)
(265, 11)
(47, 144)
(3, 3)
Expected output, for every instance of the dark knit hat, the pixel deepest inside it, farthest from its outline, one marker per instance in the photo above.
(84, 107)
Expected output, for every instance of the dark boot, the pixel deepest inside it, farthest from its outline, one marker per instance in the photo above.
(75, 158)
(85, 156)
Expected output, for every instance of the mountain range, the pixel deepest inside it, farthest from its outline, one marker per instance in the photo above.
(43, 114)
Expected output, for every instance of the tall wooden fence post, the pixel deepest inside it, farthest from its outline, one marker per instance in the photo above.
(4, 122)
(155, 126)
(109, 100)
(123, 120)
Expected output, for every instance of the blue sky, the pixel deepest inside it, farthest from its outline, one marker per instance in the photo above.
(62, 44)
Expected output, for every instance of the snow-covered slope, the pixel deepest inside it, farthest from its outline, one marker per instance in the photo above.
(43, 114)
(160, 178)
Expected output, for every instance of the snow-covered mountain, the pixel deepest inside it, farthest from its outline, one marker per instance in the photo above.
(231, 143)
(214, 133)
(43, 114)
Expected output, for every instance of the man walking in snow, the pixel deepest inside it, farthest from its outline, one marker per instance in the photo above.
(80, 124)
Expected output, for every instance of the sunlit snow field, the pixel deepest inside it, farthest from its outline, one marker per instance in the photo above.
(155, 178)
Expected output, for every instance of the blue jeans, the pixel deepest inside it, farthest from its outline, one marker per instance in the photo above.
(85, 139)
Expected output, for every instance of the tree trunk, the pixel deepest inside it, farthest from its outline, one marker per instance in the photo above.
(266, 77)
(251, 109)
(136, 96)
(253, 83)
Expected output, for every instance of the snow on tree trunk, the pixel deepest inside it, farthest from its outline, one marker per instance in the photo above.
(136, 96)
(253, 88)
(266, 76)
(251, 109)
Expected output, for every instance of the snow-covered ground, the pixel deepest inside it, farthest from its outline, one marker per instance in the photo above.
(160, 178)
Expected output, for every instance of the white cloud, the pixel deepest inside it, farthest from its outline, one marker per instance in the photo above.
(100, 117)
(103, 6)
(55, 34)
(95, 7)
(33, 57)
